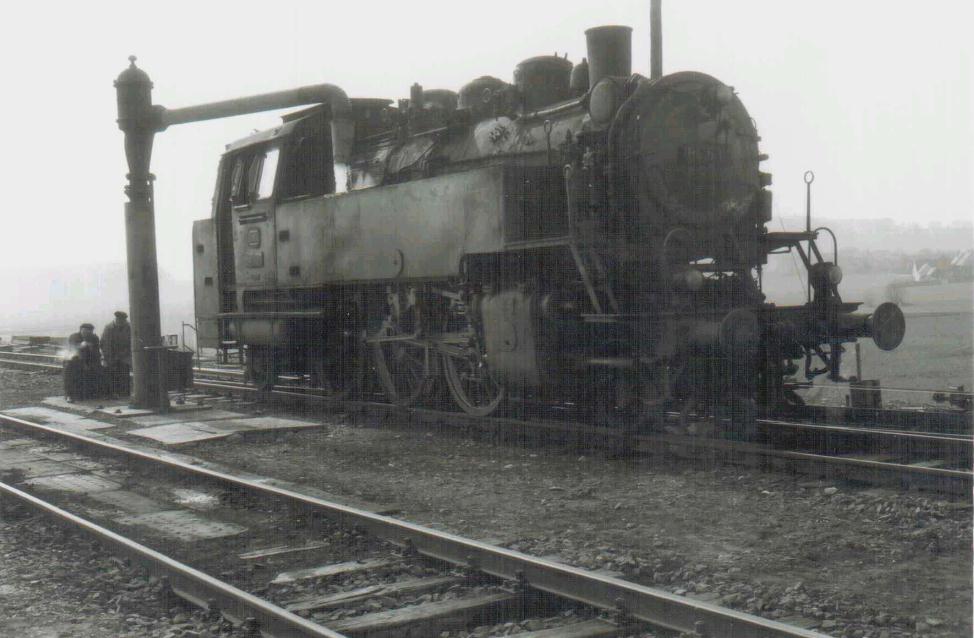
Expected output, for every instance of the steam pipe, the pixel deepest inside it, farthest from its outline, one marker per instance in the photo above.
(302, 96)
(656, 40)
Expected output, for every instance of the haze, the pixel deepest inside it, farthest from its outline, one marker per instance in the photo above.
(875, 97)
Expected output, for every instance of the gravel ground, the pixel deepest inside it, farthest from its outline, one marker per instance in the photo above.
(845, 560)
(55, 584)
(19, 387)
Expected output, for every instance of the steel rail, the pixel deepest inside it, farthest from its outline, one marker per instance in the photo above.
(198, 587)
(903, 436)
(956, 482)
(211, 380)
(21, 364)
(28, 356)
(837, 388)
(950, 420)
(49, 362)
(952, 481)
(646, 604)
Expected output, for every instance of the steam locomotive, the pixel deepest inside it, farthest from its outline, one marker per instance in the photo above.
(583, 235)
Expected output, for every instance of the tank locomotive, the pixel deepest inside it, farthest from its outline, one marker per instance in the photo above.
(583, 235)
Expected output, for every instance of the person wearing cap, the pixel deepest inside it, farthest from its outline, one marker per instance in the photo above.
(82, 367)
(116, 344)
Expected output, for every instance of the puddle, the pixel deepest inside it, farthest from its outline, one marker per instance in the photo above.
(194, 499)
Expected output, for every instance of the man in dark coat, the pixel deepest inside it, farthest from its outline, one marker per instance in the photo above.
(116, 347)
(82, 368)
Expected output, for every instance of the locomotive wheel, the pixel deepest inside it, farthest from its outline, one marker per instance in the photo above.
(471, 385)
(406, 371)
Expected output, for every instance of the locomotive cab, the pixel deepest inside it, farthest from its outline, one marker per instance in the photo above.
(237, 246)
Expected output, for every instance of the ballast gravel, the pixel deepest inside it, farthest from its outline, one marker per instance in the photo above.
(842, 559)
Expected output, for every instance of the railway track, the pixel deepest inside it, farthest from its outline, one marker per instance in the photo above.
(341, 570)
(30, 361)
(926, 420)
(46, 362)
(931, 461)
(938, 460)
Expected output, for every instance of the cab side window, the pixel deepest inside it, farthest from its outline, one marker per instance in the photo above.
(308, 163)
(238, 181)
(253, 176)
(268, 170)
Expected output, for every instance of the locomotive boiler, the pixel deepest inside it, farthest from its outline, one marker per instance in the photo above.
(582, 235)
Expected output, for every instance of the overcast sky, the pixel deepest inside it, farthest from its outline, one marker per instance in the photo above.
(875, 97)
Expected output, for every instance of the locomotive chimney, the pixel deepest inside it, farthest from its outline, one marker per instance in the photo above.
(609, 52)
(656, 40)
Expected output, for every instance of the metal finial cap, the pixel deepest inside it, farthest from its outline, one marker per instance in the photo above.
(133, 74)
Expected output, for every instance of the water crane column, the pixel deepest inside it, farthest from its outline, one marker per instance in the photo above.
(140, 120)
(136, 118)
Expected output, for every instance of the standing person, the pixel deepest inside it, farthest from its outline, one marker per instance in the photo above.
(116, 345)
(82, 369)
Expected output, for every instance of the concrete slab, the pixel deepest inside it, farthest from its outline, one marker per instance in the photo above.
(88, 465)
(181, 433)
(232, 425)
(278, 423)
(91, 424)
(210, 414)
(39, 467)
(129, 502)
(182, 525)
(10, 444)
(82, 406)
(19, 454)
(199, 430)
(42, 413)
(126, 411)
(76, 461)
(52, 416)
(64, 457)
(81, 483)
(123, 411)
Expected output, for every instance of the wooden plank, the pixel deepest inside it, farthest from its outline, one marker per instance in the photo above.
(280, 549)
(412, 586)
(429, 618)
(335, 569)
(595, 628)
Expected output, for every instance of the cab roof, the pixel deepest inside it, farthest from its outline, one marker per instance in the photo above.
(290, 120)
